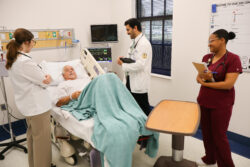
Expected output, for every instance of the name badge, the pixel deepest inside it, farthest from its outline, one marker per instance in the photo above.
(144, 55)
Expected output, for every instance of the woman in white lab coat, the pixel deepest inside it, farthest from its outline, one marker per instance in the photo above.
(31, 97)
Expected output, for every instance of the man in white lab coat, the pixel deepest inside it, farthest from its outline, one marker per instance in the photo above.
(137, 64)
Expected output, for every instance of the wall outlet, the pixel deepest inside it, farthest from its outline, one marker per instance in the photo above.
(3, 107)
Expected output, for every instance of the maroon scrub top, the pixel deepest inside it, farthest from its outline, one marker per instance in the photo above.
(217, 98)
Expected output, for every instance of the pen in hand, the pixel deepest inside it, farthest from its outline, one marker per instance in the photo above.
(213, 72)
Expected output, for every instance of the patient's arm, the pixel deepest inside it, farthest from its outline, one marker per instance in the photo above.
(65, 100)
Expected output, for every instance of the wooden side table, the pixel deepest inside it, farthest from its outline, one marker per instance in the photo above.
(180, 119)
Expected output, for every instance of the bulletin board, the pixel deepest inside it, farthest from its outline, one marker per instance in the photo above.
(45, 38)
(234, 16)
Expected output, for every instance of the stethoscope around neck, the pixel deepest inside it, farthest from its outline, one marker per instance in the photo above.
(24, 54)
(222, 63)
(134, 47)
(28, 57)
(138, 41)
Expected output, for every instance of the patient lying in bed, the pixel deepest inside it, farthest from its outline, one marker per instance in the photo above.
(118, 119)
(71, 88)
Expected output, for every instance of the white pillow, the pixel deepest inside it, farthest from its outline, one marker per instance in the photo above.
(55, 69)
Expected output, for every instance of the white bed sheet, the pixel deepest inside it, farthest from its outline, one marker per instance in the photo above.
(82, 129)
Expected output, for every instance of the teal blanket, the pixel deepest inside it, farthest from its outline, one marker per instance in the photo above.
(119, 121)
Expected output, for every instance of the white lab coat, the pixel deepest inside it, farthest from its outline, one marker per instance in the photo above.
(30, 94)
(139, 72)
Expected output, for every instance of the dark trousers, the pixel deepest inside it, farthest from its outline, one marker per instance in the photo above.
(141, 98)
(214, 125)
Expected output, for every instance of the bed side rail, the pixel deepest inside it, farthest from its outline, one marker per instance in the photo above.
(90, 64)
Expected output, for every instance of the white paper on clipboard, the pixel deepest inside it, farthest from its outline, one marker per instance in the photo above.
(200, 67)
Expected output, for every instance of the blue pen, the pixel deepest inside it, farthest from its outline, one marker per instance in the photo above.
(213, 72)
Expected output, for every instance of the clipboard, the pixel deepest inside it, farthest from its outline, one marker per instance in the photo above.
(200, 67)
(127, 60)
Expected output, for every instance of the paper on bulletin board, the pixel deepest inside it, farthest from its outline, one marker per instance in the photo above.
(1, 51)
(36, 36)
(2, 36)
(245, 62)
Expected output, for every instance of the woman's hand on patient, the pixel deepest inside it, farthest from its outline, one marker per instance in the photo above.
(76, 94)
(47, 79)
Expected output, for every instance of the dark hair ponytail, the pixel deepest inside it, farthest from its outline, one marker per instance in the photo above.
(11, 56)
(231, 35)
(21, 35)
(221, 33)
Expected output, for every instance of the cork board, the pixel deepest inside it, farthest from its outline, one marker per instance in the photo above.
(45, 38)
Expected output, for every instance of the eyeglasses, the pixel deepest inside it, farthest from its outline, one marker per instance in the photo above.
(34, 42)
(212, 40)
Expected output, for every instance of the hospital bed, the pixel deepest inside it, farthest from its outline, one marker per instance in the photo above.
(64, 126)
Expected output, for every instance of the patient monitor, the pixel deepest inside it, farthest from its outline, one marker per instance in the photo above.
(103, 56)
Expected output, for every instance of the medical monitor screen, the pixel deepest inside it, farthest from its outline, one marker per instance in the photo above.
(104, 33)
(101, 54)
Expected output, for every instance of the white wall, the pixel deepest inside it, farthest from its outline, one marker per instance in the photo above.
(190, 37)
(121, 11)
(47, 14)
(190, 43)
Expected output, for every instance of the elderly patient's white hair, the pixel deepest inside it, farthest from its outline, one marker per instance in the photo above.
(63, 70)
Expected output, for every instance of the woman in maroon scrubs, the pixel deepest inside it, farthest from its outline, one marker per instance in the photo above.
(216, 98)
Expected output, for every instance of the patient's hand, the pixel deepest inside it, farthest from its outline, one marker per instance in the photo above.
(47, 79)
(65, 100)
(76, 94)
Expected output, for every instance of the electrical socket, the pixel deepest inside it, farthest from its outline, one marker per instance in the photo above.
(3, 107)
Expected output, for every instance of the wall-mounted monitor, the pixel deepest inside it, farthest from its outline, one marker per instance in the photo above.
(104, 33)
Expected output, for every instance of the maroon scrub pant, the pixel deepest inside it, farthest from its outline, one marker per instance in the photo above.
(214, 125)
